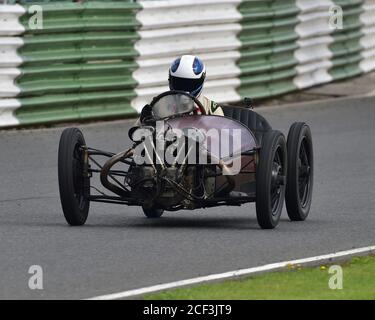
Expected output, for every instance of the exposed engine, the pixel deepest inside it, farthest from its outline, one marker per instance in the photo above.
(170, 188)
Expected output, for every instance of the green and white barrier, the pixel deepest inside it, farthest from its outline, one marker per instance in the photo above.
(98, 59)
(10, 61)
(368, 40)
(171, 28)
(78, 66)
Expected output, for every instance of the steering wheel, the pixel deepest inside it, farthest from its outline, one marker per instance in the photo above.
(173, 92)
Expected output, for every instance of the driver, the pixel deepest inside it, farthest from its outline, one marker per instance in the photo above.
(188, 73)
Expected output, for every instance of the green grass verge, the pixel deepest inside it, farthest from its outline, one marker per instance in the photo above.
(295, 283)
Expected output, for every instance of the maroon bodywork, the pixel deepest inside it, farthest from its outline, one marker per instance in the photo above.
(245, 179)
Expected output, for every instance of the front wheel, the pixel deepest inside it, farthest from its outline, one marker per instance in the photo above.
(270, 179)
(300, 172)
(73, 185)
(152, 213)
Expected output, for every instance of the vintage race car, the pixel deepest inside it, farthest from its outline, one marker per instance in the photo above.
(182, 158)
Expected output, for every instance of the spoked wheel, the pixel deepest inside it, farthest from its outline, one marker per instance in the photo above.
(270, 180)
(153, 213)
(300, 172)
(74, 187)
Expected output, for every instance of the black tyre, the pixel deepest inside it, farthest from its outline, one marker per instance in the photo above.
(300, 172)
(153, 213)
(74, 187)
(270, 179)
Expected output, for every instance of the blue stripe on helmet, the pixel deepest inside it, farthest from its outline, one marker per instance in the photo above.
(175, 65)
(197, 66)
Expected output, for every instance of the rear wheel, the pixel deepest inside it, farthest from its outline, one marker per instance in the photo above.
(153, 213)
(300, 172)
(74, 187)
(270, 179)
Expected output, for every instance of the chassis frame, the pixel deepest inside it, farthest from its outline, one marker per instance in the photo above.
(125, 198)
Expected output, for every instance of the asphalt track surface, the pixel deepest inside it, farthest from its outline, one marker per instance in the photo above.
(119, 249)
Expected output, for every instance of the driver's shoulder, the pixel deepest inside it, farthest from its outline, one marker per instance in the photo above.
(204, 101)
(210, 106)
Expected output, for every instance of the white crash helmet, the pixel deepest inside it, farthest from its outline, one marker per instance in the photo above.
(187, 73)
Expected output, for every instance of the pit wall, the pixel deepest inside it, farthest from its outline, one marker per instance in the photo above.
(107, 59)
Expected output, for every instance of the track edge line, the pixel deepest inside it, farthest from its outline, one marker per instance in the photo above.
(310, 261)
